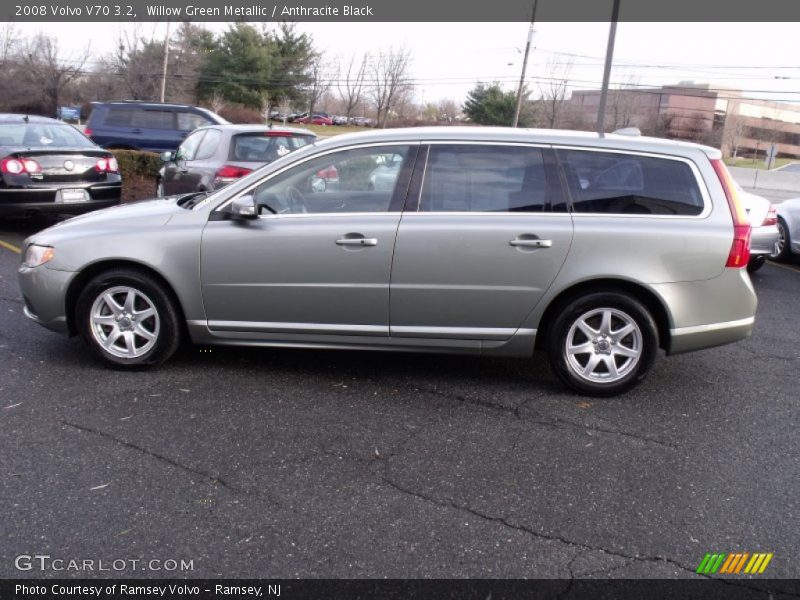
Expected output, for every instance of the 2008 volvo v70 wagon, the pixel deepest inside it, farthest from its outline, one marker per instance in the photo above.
(597, 249)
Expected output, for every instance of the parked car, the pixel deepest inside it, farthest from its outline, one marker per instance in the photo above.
(765, 234)
(788, 243)
(315, 119)
(598, 250)
(212, 157)
(150, 126)
(361, 121)
(49, 166)
(339, 120)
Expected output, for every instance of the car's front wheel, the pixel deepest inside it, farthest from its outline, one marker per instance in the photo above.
(756, 262)
(126, 318)
(602, 343)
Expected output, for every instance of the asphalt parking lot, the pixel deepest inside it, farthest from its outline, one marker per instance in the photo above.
(289, 463)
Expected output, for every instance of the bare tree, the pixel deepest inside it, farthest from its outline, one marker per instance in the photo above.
(284, 106)
(447, 110)
(44, 66)
(389, 81)
(554, 92)
(319, 82)
(734, 131)
(217, 102)
(9, 43)
(351, 83)
(138, 64)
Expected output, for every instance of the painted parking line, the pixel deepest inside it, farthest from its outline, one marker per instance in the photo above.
(8, 246)
(786, 267)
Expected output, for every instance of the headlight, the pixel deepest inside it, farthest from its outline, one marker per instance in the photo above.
(36, 255)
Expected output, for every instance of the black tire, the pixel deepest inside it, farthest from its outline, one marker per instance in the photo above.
(783, 249)
(756, 262)
(147, 294)
(607, 345)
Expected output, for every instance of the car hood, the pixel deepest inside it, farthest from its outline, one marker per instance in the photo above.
(147, 213)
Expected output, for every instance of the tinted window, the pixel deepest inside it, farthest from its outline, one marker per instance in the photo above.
(119, 117)
(209, 144)
(473, 178)
(264, 147)
(188, 121)
(340, 182)
(188, 148)
(153, 119)
(606, 182)
(42, 135)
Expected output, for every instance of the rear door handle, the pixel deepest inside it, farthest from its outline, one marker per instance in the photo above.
(531, 243)
(357, 242)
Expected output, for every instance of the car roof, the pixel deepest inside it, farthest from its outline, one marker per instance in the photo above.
(17, 118)
(256, 128)
(610, 141)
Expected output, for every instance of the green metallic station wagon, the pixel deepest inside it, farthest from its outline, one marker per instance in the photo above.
(597, 250)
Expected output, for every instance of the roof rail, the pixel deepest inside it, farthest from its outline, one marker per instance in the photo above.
(631, 131)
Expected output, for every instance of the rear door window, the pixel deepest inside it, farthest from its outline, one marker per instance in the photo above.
(153, 119)
(618, 183)
(264, 147)
(490, 178)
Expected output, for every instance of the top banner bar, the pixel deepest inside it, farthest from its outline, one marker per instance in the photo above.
(398, 11)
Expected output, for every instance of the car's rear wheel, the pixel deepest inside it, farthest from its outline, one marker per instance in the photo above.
(603, 343)
(756, 262)
(128, 319)
(782, 248)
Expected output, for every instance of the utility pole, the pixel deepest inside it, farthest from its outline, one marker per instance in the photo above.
(164, 65)
(612, 34)
(524, 66)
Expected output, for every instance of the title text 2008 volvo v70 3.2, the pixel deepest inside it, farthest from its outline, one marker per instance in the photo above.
(598, 250)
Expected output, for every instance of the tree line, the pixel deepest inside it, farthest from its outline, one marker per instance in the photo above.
(258, 68)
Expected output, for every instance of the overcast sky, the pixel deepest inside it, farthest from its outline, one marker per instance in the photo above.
(448, 58)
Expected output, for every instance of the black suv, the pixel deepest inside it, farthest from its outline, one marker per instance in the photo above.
(149, 126)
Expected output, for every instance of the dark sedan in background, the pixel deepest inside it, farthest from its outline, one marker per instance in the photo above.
(49, 166)
(211, 157)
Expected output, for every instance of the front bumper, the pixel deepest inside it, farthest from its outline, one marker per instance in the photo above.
(44, 292)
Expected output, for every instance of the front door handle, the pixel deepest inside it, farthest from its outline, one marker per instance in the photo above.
(357, 242)
(535, 243)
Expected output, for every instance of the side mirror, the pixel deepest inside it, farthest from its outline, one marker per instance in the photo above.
(166, 156)
(244, 208)
(318, 184)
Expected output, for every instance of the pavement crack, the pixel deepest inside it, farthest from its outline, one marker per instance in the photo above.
(213, 478)
(556, 422)
(560, 423)
(532, 532)
(494, 406)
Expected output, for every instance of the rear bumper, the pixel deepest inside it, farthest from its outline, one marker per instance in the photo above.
(42, 199)
(709, 313)
(763, 239)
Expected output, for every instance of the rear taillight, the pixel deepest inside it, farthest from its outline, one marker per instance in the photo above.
(16, 166)
(739, 255)
(771, 218)
(107, 165)
(87, 132)
(231, 172)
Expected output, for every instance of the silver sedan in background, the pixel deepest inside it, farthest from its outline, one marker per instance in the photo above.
(765, 234)
(788, 230)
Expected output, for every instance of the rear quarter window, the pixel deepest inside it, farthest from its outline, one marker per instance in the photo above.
(618, 183)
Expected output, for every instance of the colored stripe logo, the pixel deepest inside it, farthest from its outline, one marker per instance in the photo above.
(734, 564)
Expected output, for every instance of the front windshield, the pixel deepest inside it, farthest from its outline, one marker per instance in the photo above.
(42, 135)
